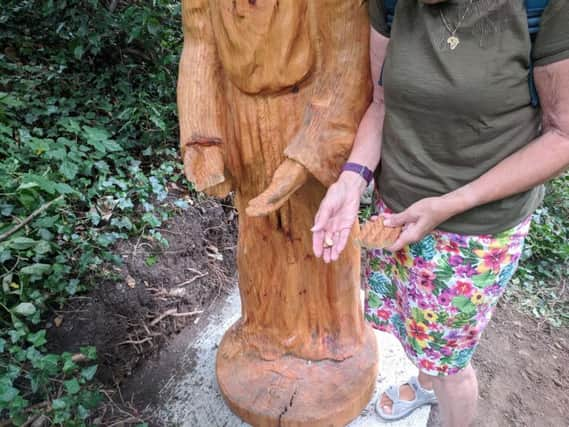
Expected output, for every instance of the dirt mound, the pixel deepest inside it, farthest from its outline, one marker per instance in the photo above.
(158, 291)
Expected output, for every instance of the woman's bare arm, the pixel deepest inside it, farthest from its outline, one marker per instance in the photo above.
(339, 209)
(367, 144)
(536, 163)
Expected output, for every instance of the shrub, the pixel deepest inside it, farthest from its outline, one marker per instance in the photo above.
(540, 284)
(87, 145)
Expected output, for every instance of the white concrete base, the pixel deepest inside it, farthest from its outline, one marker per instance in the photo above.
(193, 399)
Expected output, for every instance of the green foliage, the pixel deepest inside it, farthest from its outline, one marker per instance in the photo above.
(540, 284)
(87, 122)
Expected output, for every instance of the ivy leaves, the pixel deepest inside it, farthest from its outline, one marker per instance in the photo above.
(87, 137)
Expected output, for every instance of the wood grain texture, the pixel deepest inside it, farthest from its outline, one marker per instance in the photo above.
(200, 101)
(260, 81)
(375, 235)
(294, 392)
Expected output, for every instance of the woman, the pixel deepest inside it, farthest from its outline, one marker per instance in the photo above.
(463, 159)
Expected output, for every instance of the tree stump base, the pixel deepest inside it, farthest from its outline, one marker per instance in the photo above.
(295, 392)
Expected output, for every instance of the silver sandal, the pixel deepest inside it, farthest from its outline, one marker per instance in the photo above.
(402, 408)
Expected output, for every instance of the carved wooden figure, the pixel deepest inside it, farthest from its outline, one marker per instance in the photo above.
(270, 94)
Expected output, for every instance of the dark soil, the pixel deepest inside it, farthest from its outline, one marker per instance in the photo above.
(522, 373)
(123, 319)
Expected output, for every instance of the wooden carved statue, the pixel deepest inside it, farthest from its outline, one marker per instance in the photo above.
(270, 95)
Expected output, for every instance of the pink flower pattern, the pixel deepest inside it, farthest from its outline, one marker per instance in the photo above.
(437, 295)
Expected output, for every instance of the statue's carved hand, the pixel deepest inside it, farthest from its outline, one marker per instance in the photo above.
(220, 190)
(288, 178)
(204, 166)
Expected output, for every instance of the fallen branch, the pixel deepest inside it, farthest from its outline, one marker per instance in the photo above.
(163, 315)
(130, 420)
(187, 313)
(151, 334)
(34, 214)
(174, 313)
(36, 420)
(192, 280)
(142, 341)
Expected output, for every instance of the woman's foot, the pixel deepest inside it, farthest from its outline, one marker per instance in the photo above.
(406, 393)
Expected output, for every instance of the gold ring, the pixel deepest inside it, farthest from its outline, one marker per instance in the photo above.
(328, 242)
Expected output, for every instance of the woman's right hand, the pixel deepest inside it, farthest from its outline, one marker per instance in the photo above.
(337, 214)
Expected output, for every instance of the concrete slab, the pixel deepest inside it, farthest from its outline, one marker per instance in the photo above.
(193, 399)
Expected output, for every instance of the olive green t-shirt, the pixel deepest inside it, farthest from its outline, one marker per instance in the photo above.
(451, 115)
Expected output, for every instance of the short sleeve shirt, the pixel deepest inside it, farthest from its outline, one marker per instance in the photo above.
(453, 114)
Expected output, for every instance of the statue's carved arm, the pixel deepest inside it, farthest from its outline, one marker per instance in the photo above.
(199, 99)
(341, 95)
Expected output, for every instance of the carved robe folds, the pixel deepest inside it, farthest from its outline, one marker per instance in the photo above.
(260, 81)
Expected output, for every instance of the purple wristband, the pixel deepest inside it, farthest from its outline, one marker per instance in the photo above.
(361, 170)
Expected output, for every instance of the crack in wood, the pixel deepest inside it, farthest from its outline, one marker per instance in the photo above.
(287, 407)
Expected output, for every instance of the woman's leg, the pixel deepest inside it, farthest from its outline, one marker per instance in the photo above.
(437, 296)
(457, 395)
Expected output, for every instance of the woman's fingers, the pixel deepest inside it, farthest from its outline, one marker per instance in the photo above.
(321, 240)
(340, 244)
(332, 218)
(398, 245)
(341, 226)
(329, 242)
(411, 233)
(327, 255)
(322, 216)
(398, 220)
(321, 225)
(318, 242)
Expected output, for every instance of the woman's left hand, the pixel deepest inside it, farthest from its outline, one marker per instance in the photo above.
(418, 220)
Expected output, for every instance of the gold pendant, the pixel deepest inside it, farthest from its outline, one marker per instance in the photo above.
(453, 42)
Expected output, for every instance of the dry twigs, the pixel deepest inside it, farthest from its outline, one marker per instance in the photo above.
(117, 406)
(33, 215)
(174, 312)
(192, 280)
(136, 342)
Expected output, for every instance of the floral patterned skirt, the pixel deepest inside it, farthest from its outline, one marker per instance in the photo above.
(437, 295)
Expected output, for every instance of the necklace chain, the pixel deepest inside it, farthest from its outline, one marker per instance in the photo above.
(453, 40)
